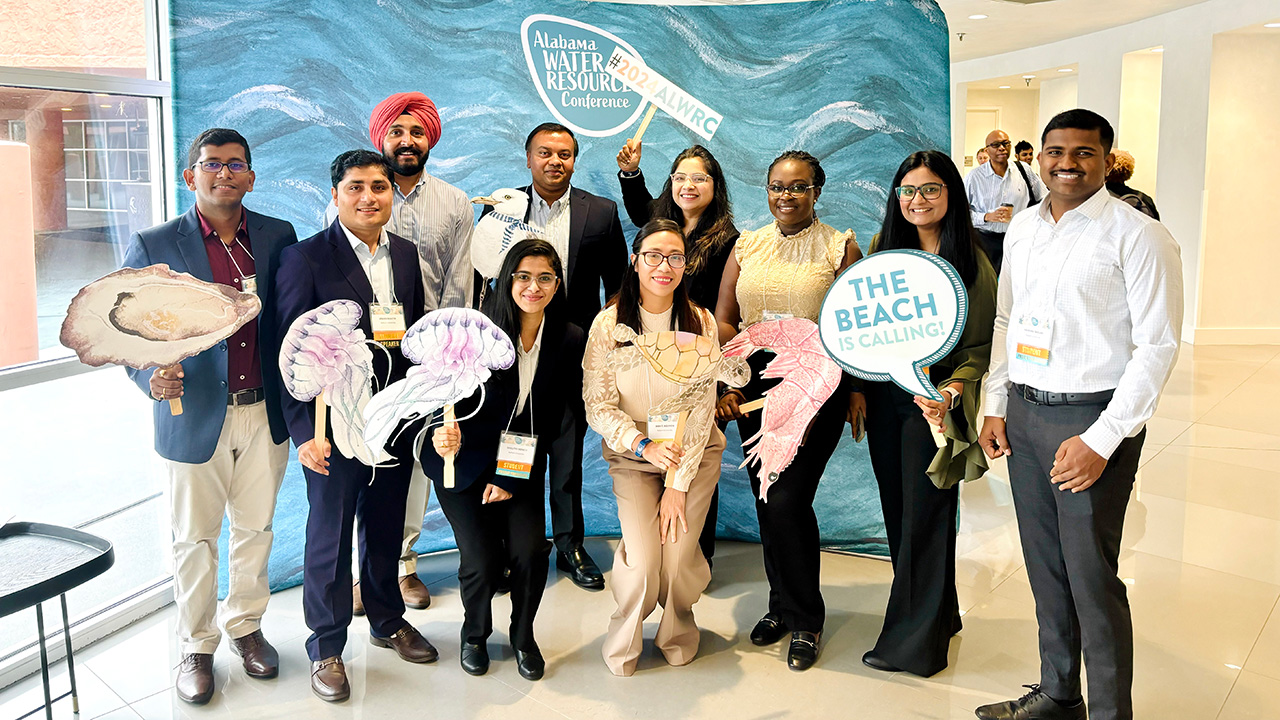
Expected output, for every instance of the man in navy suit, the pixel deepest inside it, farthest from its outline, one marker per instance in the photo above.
(226, 452)
(355, 259)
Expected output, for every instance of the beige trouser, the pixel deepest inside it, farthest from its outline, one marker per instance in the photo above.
(415, 510)
(241, 480)
(647, 572)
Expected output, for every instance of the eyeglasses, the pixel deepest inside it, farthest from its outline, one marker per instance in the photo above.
(653, 258)
(797, 189)
(545, 280)
(1000, 145)
(214, 167)
(696, 178)
(930, 191)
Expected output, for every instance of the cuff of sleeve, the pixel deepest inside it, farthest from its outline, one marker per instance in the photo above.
(680, 481)
(995, 405)
(1101, 440)
(978, 218)
(628, 174)
(629, 441)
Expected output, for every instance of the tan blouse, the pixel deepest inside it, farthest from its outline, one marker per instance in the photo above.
(618, 402)
(787, 274)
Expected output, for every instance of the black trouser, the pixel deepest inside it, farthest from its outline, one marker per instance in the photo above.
(565, 462)
(336, 501)
(1071, 543)
(492, 537)
(788, 525)
(993, 245)
(923, 612)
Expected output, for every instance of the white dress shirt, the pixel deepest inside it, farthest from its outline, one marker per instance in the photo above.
(554, 221)
(436, 217)
(376, 265)
(527, 366)
(987, 191)
(1110, 280)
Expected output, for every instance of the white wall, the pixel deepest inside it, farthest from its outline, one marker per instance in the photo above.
(1055, 96)
(1018, 110)
(1139, 128)
(1187, 37)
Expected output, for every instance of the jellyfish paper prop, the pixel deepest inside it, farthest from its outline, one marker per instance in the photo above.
(325, 351)
(152, 317)
(454, 349)
(808, 379)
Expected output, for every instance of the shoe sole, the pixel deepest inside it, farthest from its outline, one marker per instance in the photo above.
(416, 606)
(194, 700)
(379, 642)
(331, 698)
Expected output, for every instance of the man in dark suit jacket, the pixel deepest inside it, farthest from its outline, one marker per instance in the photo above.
(226, 451)
(353, 259)
(585, 230)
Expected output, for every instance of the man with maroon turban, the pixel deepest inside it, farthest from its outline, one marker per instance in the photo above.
(437, 218)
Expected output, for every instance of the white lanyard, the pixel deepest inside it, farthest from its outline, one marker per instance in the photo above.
(1047, 268)
(233, 257)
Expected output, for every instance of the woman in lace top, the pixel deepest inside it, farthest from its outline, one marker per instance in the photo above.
(784, 270)
(663, 483)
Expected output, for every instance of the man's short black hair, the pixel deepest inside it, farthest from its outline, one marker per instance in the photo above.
(357, 159)
(550, 127)
(1021, 146)
(1081, 119)
(216, 136)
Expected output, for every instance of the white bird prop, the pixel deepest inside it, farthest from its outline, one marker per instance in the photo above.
(498, 230)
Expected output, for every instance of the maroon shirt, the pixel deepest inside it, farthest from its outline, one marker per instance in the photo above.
(244, 367)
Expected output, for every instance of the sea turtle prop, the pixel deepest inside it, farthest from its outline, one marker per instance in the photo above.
(684, 358)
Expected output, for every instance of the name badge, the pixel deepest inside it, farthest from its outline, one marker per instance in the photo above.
(249, 284)
(771, 315)
(666, 428)
(387, 320)
(515, 455)
(1032, 341)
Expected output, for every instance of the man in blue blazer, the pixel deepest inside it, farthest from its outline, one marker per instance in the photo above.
(355, 259)
(226, 452)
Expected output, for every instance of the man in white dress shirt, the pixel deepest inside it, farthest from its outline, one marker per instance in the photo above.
(1088, 324)
(998, 190)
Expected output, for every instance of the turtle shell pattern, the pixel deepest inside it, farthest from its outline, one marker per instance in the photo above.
(678, 356)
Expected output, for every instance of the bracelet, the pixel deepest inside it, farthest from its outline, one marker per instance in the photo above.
(733, 391)
(640, 447)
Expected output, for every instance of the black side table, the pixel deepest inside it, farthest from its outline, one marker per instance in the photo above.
(39, 561)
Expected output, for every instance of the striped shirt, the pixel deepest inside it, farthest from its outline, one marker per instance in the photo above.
(988, 191)
(554, 221)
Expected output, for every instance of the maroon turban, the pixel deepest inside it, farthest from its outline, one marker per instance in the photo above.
(412, 103)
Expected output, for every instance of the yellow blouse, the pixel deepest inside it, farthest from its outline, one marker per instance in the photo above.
(787, 274)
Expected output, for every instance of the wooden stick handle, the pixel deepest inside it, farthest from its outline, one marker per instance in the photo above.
(449, 417)
(752, 406)
(321, 418)
(939, 439)
(684, 415)
(175, 406)
(644, 123)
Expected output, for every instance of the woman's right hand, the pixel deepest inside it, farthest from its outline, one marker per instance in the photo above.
(447, 440)
(727, 407)
(629, 156)
(663, 455)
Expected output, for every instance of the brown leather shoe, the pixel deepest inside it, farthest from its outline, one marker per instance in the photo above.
(260, 659)
(357, 605)
(195, 678)
(329, 680)
(409, 643)
(415, 594)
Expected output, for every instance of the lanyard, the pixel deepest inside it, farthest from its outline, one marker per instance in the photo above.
(233, 257)
(1046, 268)
(517, 405)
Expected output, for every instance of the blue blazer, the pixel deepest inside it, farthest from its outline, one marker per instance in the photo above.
(324, 267)
(192, 436)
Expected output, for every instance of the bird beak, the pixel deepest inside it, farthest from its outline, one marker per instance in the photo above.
(483, 200)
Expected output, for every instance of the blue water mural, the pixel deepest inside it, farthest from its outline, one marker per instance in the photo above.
(858, 83)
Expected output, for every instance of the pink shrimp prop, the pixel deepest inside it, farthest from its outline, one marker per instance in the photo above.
(809, 377)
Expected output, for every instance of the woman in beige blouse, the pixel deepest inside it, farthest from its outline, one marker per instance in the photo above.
(784, 270)
(658, 561)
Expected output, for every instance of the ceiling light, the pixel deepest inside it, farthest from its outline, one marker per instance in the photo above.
(984, 17)
(1273, 26)
(108, 107)
(1157, 50)
(1065, 69)
(1004, 87)
(66, 109)
(1028, 77)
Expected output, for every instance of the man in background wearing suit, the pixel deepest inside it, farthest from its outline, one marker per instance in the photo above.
(354, 259)
(226, 452)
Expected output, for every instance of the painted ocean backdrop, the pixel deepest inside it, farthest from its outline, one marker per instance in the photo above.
(858, 83)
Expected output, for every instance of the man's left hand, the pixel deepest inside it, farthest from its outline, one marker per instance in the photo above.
(1076, 466)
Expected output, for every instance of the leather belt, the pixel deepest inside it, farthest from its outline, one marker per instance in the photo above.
(246, 397)
(1040, 397)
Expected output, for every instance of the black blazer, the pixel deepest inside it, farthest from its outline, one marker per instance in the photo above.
(324, 267)
(559, 376)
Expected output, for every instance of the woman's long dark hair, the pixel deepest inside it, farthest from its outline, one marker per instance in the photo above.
(956, 242)
(501, 307)
(714, 227)
(684, 312)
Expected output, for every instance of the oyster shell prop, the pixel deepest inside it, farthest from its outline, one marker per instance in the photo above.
(684, 358)
(152, 317)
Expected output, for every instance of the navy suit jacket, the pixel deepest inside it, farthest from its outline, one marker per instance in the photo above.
(192, 436)
(324, 267)
(558, 377)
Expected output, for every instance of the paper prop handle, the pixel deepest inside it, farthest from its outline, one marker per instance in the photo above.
(175, 406)
(321, 417)
(644, 124)
(747, 408)
(449, 481)
(671, 474)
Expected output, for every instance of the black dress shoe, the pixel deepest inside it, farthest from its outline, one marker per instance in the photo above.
(1035, 705)
(875, 662)
(768, 631)
(531, 664)
(804, 650)
(582, 570)
(475, 658)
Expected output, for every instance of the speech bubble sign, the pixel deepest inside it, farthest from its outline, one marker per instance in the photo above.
(679, 104)
(891, 315)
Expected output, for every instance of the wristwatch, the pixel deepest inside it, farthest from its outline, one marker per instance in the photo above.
(640, 447)
(952, 393)
(628, 173)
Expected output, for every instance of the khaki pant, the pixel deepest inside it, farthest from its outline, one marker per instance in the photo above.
(647, 572)
(414, 512)
(241, 480)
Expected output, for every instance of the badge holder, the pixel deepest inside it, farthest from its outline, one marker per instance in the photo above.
(667, 428)
(517, 451)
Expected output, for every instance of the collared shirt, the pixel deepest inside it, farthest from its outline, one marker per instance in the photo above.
(1110, 281)
(436, 217)
(528, 366)
(376, 265)
(987, 191)
(554, 221)
(231, 264)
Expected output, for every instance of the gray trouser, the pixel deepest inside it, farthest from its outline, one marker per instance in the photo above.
(1071, 543)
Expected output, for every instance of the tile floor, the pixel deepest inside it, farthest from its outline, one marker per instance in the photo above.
(1201, 558)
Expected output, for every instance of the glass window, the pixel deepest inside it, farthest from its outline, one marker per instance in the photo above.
(100, 37)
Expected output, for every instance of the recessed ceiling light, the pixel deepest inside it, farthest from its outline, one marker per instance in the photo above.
(1028, 77)
(984, 17)
(66, 109)
(1273, 26)
(1065, 69)
(1157, 50)
(105, 106)
(1004, 87)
